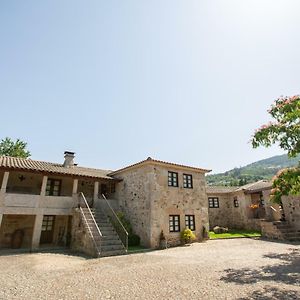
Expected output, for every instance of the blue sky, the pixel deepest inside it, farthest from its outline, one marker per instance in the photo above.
(118, 81)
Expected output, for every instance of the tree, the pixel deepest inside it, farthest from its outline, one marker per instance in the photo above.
(16, 149)
(285, 130)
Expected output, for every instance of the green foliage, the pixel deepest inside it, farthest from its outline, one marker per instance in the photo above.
(234, 233)
(187, 235)
(16, 149)
(287, 182)
(264, 169)
(285, 130)
(125, 222)
(133, 239)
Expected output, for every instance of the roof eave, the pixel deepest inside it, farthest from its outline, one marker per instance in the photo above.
(157, 162)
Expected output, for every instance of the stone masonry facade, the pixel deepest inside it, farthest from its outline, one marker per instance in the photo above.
(148, 201)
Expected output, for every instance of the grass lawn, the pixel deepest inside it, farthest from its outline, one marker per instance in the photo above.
(234, 233)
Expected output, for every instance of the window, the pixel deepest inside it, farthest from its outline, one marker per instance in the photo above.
(187, 181)
(213, 202)
(235, 202)
(190, 222)
(48, 222)
(112, 187)
(174, 223)
(53, 187)
(172, 179)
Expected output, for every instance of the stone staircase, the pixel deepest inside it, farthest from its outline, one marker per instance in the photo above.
(109, 244)
(287, 231)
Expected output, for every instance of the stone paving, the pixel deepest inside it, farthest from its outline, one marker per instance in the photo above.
(217, 269)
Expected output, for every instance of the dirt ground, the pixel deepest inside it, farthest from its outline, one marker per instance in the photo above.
(217, 269)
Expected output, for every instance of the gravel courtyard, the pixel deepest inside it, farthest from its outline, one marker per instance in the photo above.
(217, 269)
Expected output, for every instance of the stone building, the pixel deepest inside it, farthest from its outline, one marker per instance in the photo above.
(159, 196)
(239, 207)
(46, 204)
(249, 207)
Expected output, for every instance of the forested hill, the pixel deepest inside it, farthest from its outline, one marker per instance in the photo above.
(263, 169)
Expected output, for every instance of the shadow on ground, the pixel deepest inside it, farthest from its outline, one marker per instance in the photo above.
(272, 293)
(287, 271)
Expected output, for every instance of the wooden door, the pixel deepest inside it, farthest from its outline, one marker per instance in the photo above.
(47, 230)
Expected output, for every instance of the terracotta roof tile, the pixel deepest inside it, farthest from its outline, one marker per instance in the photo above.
(220, 189)
(8, 162)
(256, 186)
(155, 161)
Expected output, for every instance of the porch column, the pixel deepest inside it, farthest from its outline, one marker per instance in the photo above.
(37, 229)
(44, 186)
(96, 190)
(75, 187)
(4, 182)
(1, 216)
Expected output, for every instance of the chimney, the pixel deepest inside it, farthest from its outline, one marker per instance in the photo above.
(69, 159)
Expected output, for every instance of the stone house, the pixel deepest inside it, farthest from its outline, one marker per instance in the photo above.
(249, 207)
(46, 204)
(37, 199)
(160, 196)
(239, 207)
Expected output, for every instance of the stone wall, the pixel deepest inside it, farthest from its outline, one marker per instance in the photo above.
(222, 215)
(133, 194)
(291, 207)
(166, 200)
(270, 231)
(11, 223)
(147, 200)
(81, 240)
(227, 215)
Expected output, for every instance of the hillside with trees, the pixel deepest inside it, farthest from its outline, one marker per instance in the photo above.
(263, 169)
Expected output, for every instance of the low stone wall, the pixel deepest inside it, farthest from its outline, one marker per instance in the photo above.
(81, 239)
(270, 231)
(291, 207)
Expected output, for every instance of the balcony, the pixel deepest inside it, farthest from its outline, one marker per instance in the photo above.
(37, 201)
(21, 200)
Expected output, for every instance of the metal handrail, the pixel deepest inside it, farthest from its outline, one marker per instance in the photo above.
(93, 219)
(118, 221)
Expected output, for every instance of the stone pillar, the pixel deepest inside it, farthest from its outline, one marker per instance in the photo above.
(37, 229)
(44, 186)
(4, 182)
(75, 187)
(96, 190)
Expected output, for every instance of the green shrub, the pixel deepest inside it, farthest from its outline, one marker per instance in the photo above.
(125, 222)
(133, 240)
(187, 235)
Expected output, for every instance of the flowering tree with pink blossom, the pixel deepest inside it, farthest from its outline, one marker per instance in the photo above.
(285, 130)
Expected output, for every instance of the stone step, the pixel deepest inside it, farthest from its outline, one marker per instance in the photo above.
(106, 248)
(112, 253)
(112, 242)
(111, 238)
